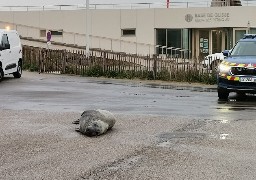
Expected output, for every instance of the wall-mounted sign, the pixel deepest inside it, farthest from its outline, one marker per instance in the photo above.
(208, 17)
(189, 17)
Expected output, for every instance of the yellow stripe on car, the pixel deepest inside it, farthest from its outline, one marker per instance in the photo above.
(236, 79)
(241, 65)
(233, 78)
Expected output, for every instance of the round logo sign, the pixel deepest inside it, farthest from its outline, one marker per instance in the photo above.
(189, 17)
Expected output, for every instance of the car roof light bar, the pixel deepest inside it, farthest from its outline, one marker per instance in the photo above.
(249, 36)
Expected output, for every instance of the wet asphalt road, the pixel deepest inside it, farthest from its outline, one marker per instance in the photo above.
(164, 130)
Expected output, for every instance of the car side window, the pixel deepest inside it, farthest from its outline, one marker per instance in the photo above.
(5, 42)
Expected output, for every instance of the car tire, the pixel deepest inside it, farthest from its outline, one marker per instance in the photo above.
(223, 94)
(1, 74)
(18, 73)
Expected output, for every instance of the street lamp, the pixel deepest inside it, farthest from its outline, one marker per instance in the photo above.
(87, 28)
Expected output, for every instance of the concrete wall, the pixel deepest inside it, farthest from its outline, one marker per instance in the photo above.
(106, 25)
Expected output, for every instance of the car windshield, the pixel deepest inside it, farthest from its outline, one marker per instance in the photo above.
(244, 48)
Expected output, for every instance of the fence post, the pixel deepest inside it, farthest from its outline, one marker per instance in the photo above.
(154, 66)
(64, 59)
(104, 62)
(39, 59)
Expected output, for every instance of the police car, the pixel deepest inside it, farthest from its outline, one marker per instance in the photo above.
(237, 72)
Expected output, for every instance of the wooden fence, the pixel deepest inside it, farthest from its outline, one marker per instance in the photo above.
(111, 64)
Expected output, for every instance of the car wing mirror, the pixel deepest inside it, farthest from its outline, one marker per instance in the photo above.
(225, 53)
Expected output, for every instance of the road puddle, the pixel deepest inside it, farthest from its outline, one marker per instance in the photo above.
(167, 140)
(179, 135)
(227, 107)
(222, 136)
(161, 86)
(222, 121)
(237, 103)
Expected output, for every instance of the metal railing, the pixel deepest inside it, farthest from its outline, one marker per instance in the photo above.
(158, 4)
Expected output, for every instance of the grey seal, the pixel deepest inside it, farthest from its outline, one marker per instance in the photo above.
(95, 122)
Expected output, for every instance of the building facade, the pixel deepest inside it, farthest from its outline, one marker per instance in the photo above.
(190, 32)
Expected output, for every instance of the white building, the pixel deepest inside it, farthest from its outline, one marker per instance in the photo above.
(198, 31)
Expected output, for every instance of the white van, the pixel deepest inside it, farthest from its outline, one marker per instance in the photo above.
(10, 53)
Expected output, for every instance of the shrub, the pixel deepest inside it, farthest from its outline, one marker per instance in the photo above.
(30, 67)
(95, 71)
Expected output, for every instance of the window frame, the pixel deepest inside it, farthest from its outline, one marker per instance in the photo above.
(128, 34)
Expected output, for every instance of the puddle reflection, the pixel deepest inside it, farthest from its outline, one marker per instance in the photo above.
(224, 136)
(237, 103)
(225, 121)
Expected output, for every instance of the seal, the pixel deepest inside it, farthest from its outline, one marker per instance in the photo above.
(95, 122)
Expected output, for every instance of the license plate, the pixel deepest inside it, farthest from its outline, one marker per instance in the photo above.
(247, 79)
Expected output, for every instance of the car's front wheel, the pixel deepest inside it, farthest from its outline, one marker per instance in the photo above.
(18, 73)
(223, 94)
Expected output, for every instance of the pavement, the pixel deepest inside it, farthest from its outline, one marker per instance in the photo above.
(163, 131)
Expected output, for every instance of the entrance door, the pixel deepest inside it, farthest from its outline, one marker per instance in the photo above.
(217, 43)
(208, 41)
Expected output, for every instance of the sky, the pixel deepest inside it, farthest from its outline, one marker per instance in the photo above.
(81, 2)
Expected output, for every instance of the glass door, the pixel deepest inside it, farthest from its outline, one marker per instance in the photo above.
(217, 41)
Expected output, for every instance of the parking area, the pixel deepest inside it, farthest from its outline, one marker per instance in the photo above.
(163, 131)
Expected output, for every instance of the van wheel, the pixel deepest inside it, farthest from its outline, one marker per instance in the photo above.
(18, 73)
(1, 74)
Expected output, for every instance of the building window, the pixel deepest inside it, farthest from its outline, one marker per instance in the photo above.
(173, 42)
(160, 41)
(56, 33)
(42, 33)
(5, 40)
(174, 39)
(128, 32)
(252, 31)
(239, 34)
